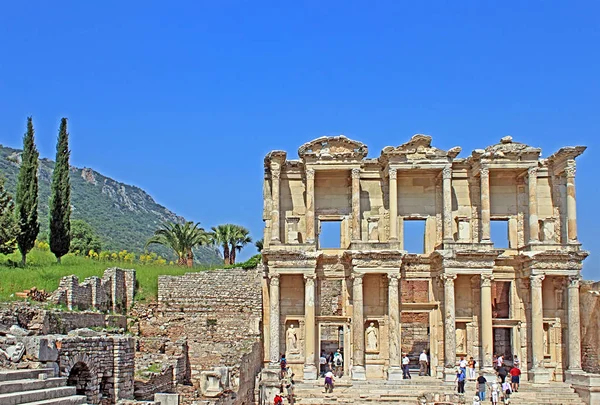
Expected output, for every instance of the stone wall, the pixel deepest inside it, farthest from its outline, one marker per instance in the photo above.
(113, 292)
(589, 300)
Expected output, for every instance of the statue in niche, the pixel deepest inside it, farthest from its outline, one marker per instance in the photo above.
(372, 338)
(460, 341)
(292, 339)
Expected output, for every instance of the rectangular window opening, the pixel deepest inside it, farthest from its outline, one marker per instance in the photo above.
(414, 235)
(330, 236)
(499, 233)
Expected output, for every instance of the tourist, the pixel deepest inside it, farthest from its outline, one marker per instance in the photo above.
(495, 393)
(495, 361)
(506, 391)
(499, 361)
(330, 359)
(423, 363)
(278, 400)
(481, 386)
(461, 376)
(323, 363)
(463, 364)
(329, 382)
(476, 400)
(405, 364)
(516, 361)
(338, 362)
(283, 365)
(515, 376)
(471, 365)
(502, 373)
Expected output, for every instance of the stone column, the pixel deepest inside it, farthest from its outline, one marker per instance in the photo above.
(356, 204)
(534, 229)
(571, 204)
(274, 320)
(310, 206)
(275, 174)
(310, 370)
(449, 327)
(487, 341)
(538, 373)
(393, 205)
(485, 204)
(395, 370)
(447, 203)
(574, 341)
(358, 326)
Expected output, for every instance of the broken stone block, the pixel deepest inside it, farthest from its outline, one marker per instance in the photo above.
(41, 348)
(16, 330)
(167, 399)
(210, 383)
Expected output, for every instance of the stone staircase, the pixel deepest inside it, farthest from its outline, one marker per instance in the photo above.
(406, 392)
(36, 387)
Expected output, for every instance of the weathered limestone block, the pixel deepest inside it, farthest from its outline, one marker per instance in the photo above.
(167, 399)
(41, 348)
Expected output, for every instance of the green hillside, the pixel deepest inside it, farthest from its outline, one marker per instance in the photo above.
(124, 216)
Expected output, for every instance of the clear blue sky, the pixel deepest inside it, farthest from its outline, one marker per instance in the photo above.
(184, 99)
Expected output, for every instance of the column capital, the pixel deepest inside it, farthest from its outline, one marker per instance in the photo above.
(393, 279)
(448, 279)
(486, 280)
(484, 172)
(447, 172)
(570, 170)
(393, 172)
(357, 277)
(536, 280)
(310, 174)
(275, 173)
(532, 172)
(574, 281)
(310, 278)
(274, 279)
(356, 173)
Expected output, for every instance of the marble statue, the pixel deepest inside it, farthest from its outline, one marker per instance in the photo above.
(292, 338)
(372, 338)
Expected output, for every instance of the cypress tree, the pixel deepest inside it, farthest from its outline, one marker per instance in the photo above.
(60, 198)
(8, 225)
(27, 194)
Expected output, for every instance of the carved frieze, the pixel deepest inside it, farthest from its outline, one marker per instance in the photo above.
(333, 148)
(418, 149)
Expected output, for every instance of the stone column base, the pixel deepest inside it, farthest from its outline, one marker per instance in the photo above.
(310, 372)
(269, 385)
(359, 373)
(539, 376)
(395, 373)
(570, 375)
(449, 374)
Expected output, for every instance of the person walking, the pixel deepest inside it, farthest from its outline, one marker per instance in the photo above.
(463, 365)
(495, 393)
(461, 376)
(329, 381)
(405, 364)
(471, 365)
(481, 386)
(502, 373)
(506, 391)
(338, 363)
(423, 363)
(516, 361)
(323, 363)
(515, 376)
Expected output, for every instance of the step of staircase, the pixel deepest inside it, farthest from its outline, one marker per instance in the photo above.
(72, 400)
(7, 387)
(11, 375)
(36, 387)
(23, 397)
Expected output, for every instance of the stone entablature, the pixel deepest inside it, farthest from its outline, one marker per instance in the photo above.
(473, 298)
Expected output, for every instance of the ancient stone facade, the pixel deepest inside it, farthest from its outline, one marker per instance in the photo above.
(464, 294)
(113, 292)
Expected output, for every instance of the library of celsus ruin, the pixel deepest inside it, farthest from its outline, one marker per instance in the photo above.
(467, 292)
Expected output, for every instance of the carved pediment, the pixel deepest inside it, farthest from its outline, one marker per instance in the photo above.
(418, 149)
(333, 148)
(507, 149)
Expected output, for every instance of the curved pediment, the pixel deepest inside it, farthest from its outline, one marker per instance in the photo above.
(333, 148)
(418, 149)
(507, 149)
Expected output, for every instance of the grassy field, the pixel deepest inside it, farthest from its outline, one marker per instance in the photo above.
(43, 272)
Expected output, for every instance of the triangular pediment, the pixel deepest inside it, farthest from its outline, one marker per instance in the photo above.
(333, 148)
(507, 149)
(419, 149)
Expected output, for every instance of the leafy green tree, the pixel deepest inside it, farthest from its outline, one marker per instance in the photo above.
(182, 238)
(27, 194)
(221, 236)
(8, 223)
(240, 237)
(60, 199)
(259, 245)
(84, 238)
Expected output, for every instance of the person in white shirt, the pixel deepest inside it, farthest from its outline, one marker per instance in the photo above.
(405, 370)
(499, 361)
(329, 381)
(423, 362)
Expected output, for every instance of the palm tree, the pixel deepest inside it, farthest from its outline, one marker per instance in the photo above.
(222, 235)
(239, 238)
(259, 245)
(182, 238)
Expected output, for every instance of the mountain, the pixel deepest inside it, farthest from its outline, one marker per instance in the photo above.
(124, 216)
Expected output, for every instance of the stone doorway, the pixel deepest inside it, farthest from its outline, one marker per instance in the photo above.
(81, 378)
(334, 336)
(503, 342)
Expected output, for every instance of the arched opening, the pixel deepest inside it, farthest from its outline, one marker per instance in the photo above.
(81, 378)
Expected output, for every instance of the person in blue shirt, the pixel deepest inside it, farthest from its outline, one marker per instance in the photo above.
(461, 376)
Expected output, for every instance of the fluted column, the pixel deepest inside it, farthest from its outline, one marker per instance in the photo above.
(534, 228)
(274, 319)
(571, 204)
(395, 371)
(487, 341)
(356, 204)
(485, 204)
(310, 205)
(574, 323)
(393, 205)
(310, 370)
(538, 372)
(449, 323)
(275, 174)
(447, 203)
(358, 326)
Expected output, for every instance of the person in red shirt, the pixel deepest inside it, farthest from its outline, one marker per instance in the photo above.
(515, 375)
(278, 400)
